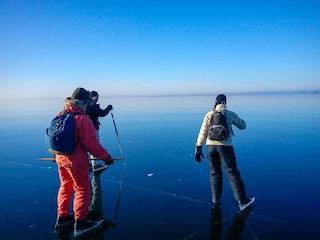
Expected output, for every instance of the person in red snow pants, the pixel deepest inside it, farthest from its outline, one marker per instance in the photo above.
(73, 168)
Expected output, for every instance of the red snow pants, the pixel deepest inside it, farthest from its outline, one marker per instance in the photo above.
(77, 180)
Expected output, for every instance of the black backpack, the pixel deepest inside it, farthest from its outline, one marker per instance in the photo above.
(218, 129)
(59, 137)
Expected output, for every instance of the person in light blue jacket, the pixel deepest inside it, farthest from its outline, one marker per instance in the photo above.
(222, 152)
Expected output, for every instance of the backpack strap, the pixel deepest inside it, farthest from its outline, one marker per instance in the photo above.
(72, 115)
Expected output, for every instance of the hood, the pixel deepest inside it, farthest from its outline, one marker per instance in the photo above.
(70, 107)
(221, 108)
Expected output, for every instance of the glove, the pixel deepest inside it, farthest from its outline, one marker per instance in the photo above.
(109, 108)
(109, 161)
(198, 154)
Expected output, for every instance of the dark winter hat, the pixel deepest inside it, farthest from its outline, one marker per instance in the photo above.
(80, 94)
(94, 93)
(221, 98)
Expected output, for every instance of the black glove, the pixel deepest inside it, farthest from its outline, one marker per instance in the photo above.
(109, 161)
(109, 108)
(198, 154)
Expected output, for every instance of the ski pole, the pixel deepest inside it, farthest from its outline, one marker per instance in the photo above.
(120, 194)
(116, 130)
(123, 171)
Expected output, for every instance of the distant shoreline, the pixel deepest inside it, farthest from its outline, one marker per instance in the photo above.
(293, 92)
(249, 93)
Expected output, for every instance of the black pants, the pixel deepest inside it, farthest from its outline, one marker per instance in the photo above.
(217, 155)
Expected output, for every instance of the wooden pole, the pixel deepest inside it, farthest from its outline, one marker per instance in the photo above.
(53, 159)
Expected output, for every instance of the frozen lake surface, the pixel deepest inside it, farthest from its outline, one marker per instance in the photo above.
(166, 194)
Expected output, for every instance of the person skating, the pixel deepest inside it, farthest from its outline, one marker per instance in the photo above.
(73, 168)
(94, 111)
(221, 152)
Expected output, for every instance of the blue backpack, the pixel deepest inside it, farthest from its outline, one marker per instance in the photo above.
(59, 137)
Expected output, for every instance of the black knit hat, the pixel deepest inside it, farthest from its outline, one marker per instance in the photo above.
(80, 94)
(94, 93)
(221, 98)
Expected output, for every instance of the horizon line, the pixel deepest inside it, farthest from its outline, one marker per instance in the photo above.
(244, 93)
(267, 92)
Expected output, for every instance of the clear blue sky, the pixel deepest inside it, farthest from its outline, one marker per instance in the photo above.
(48, 48)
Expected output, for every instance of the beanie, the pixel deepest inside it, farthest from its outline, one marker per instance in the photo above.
(94, 93)
(80, 94)
(221, 98)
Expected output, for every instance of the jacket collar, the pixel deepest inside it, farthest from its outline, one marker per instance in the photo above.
(72, 108)
(221, 108)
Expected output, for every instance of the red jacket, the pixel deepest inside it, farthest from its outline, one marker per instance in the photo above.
(85, 135)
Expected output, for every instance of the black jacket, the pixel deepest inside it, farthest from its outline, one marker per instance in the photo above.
(94, 112)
